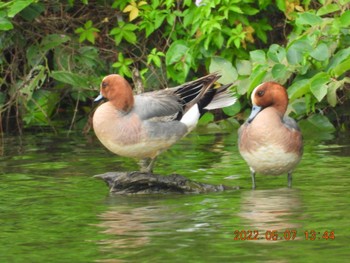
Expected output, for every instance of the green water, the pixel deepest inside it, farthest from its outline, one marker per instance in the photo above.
(52, 210)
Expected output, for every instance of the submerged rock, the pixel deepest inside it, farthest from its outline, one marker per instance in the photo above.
(144, 183)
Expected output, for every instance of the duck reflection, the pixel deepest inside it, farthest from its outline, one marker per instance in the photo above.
(269, 210)
(127, 225)
(134, 222)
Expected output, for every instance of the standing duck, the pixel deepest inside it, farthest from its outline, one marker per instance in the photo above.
(142, 126)
(270, 142)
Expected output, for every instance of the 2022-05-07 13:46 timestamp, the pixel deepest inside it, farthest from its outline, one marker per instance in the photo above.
(288, 234)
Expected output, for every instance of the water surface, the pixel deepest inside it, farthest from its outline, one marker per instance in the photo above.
(52, 210)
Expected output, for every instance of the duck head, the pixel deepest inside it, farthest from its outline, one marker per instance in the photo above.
(268, 94)
(118, 91)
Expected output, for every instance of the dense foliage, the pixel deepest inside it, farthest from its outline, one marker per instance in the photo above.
(54, 54)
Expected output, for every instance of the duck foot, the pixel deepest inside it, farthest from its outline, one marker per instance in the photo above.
(147, 183)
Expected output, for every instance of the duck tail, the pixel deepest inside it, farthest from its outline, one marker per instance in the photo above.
(192, 92)
(223, 97)
(200, 96)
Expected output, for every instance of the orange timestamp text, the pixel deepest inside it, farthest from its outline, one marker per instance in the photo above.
(288, 234)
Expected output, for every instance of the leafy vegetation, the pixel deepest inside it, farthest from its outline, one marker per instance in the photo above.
(55, 53)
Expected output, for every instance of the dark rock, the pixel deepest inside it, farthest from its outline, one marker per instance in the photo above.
(144, 183)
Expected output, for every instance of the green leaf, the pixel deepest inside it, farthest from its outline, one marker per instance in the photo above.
(236, 9)
(298, 89)
(338, 58)
(178, 60)
(5, 24)
(276, 53)
(281, 4)
(35, 55)
(33, 11)
(130, 27)
(297, 49)
(345, 19)
(41, 107)
(279, 71)
(124, 31)
(91, 38)
(308, 19)
(82, 37)
(159, 18)
(218, 39)
(243, 86)
(233, 109)
(318, 85)
(258, 56)
(244, 67)
(341, 68)
(130, 37)
(321, 123)
(298, 106)
(257, 76)
(326, 9)
(88, 24)
(225, 68)
(52, 41)
(206, 118)
(17, 6)
(249, 10)
(261, 28)
(176, 52)
(4, 5)
(88, 57)
(76, 80)
(332, 92)
(36, 81)
(87, 33)
(294, 56)
(321, 52)
(79, 30)
(123, 65)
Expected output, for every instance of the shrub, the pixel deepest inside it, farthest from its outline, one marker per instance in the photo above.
(55, 53)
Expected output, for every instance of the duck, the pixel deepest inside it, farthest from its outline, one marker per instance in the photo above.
(142, 126)
(269, 141)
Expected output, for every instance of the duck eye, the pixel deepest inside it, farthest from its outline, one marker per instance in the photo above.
(261, 93)
(104, 84)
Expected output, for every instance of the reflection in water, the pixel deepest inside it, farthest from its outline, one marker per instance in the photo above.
(275, 209)
(128, 226)
(127, 229)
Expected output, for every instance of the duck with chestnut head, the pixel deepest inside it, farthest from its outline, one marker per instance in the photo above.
(269, 141)
(144, 125)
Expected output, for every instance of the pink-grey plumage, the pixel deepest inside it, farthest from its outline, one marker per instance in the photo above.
(269, 141)
(142, 126)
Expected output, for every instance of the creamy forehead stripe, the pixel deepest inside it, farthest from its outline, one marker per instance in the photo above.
(252, 96)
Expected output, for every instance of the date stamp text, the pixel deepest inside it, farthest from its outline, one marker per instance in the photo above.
(287, 235)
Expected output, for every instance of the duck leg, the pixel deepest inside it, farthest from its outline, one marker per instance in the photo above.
(252, 172)
(147, 165)
(289, 179)
(151, 164)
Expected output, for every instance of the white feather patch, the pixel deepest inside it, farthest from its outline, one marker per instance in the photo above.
(191, 117)
(221, 100)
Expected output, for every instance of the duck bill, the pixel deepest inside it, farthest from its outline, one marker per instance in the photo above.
(255, 111)
(99, 98)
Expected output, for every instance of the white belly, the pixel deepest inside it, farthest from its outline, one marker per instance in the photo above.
(271, 160)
